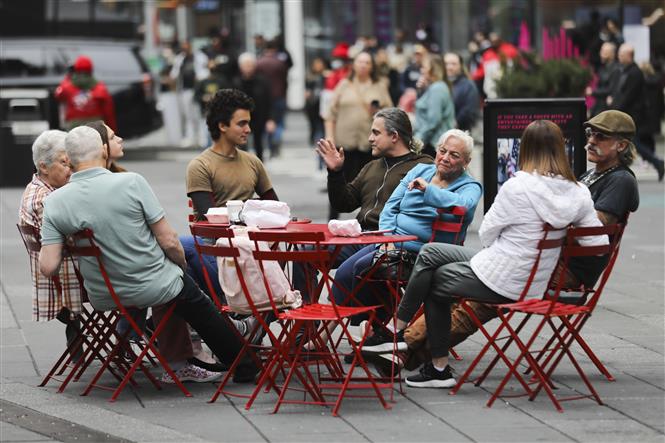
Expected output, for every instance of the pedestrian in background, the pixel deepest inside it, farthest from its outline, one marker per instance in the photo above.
(465, 94)
(608, 74)
(435, 110)
(258, 88)
(85, 98)
(185, 75)
(275, 69)
(315, 81)
(628, 96)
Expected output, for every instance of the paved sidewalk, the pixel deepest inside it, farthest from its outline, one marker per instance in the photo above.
(627, 332)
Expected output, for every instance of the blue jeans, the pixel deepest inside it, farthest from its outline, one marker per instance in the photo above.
(346, 277)
(278, 113)
(195, 270)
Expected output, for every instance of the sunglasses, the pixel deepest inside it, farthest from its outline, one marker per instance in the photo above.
(599, 136)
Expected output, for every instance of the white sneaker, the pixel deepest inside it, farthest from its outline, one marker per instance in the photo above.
(189, 372)
(362, 327)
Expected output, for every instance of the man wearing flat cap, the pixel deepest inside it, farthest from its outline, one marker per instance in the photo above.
(614, 192)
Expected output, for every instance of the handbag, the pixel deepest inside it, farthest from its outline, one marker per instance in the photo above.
(256, 278)
(394, 264)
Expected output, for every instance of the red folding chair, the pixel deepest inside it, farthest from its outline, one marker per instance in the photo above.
(85, 246)
(564, 319)
(211, 234)
(92, 323)
(448, 220)
(493, 339)
(309, 324)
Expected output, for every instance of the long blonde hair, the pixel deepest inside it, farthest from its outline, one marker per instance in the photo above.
(542, 149)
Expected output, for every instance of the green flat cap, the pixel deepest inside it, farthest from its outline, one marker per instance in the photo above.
(613, 122)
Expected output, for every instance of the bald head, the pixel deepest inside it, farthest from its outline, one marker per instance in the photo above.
(626, 54)
(607, 52)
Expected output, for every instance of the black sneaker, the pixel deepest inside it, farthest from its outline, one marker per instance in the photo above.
(429, 377)
(383, 341)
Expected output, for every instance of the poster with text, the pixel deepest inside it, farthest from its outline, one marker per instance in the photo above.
(503, 124)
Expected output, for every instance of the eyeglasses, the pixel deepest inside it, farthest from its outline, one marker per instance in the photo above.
(599, 136)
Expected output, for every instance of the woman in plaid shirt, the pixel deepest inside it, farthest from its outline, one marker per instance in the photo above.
(53, 171)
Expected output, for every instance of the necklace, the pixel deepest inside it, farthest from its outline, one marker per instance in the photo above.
(594, 176)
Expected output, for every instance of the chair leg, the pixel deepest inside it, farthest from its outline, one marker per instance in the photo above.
(512, 368)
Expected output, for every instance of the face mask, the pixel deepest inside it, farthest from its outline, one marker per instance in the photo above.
(336, 64)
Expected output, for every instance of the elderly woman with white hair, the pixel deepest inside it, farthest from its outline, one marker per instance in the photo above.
(413, 205)
(53, 171)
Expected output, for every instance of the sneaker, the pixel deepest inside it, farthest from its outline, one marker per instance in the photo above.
(189, 372)
(429, 377)
(208, 366)
(360, 332)
(383, 341)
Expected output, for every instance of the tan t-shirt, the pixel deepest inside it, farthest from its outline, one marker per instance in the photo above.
(237, 178)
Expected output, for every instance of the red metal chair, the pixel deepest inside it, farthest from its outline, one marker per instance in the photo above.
(227, 250)
(564, 319)
(449, 220)
(309, 324)
(492, 339)
(92, 324)
(85, 246)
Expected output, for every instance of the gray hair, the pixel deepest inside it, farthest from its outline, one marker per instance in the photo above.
(47, 146)
(461, 135)
(628, 155)
(246, 57)
(83, 144)
(396, 120)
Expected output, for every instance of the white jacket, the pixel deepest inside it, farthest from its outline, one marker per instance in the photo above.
(513, 226)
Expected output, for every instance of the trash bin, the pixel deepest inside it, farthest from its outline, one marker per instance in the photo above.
(25, 116)
(16, 167)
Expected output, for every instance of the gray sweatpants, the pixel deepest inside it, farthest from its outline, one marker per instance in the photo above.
(441, 274)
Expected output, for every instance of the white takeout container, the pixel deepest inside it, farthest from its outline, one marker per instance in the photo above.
(218, 215)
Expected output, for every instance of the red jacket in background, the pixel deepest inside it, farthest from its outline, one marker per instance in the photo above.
(493, 55)
(82, 106)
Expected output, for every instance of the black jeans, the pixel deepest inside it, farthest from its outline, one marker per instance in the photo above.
(199, 311)
(441, 274)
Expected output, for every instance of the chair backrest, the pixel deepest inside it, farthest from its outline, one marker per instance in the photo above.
(450, 220)
(214, 233)
(317, 257)
(544, 243)
(31, 237)
(84, 245)
(572, 249)
(190, 216)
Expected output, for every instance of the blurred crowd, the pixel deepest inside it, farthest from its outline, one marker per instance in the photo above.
(195, 75)
(438, 90)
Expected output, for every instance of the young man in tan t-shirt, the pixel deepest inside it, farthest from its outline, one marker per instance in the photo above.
(223, 172)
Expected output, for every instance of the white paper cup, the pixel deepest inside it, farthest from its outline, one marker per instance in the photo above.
(234, 207)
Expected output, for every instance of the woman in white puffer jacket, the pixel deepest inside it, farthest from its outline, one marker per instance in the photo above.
(544, 191)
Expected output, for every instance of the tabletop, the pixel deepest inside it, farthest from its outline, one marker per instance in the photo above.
(334, 240)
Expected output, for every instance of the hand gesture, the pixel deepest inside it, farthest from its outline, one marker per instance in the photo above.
(331, 155)
(418, 183)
